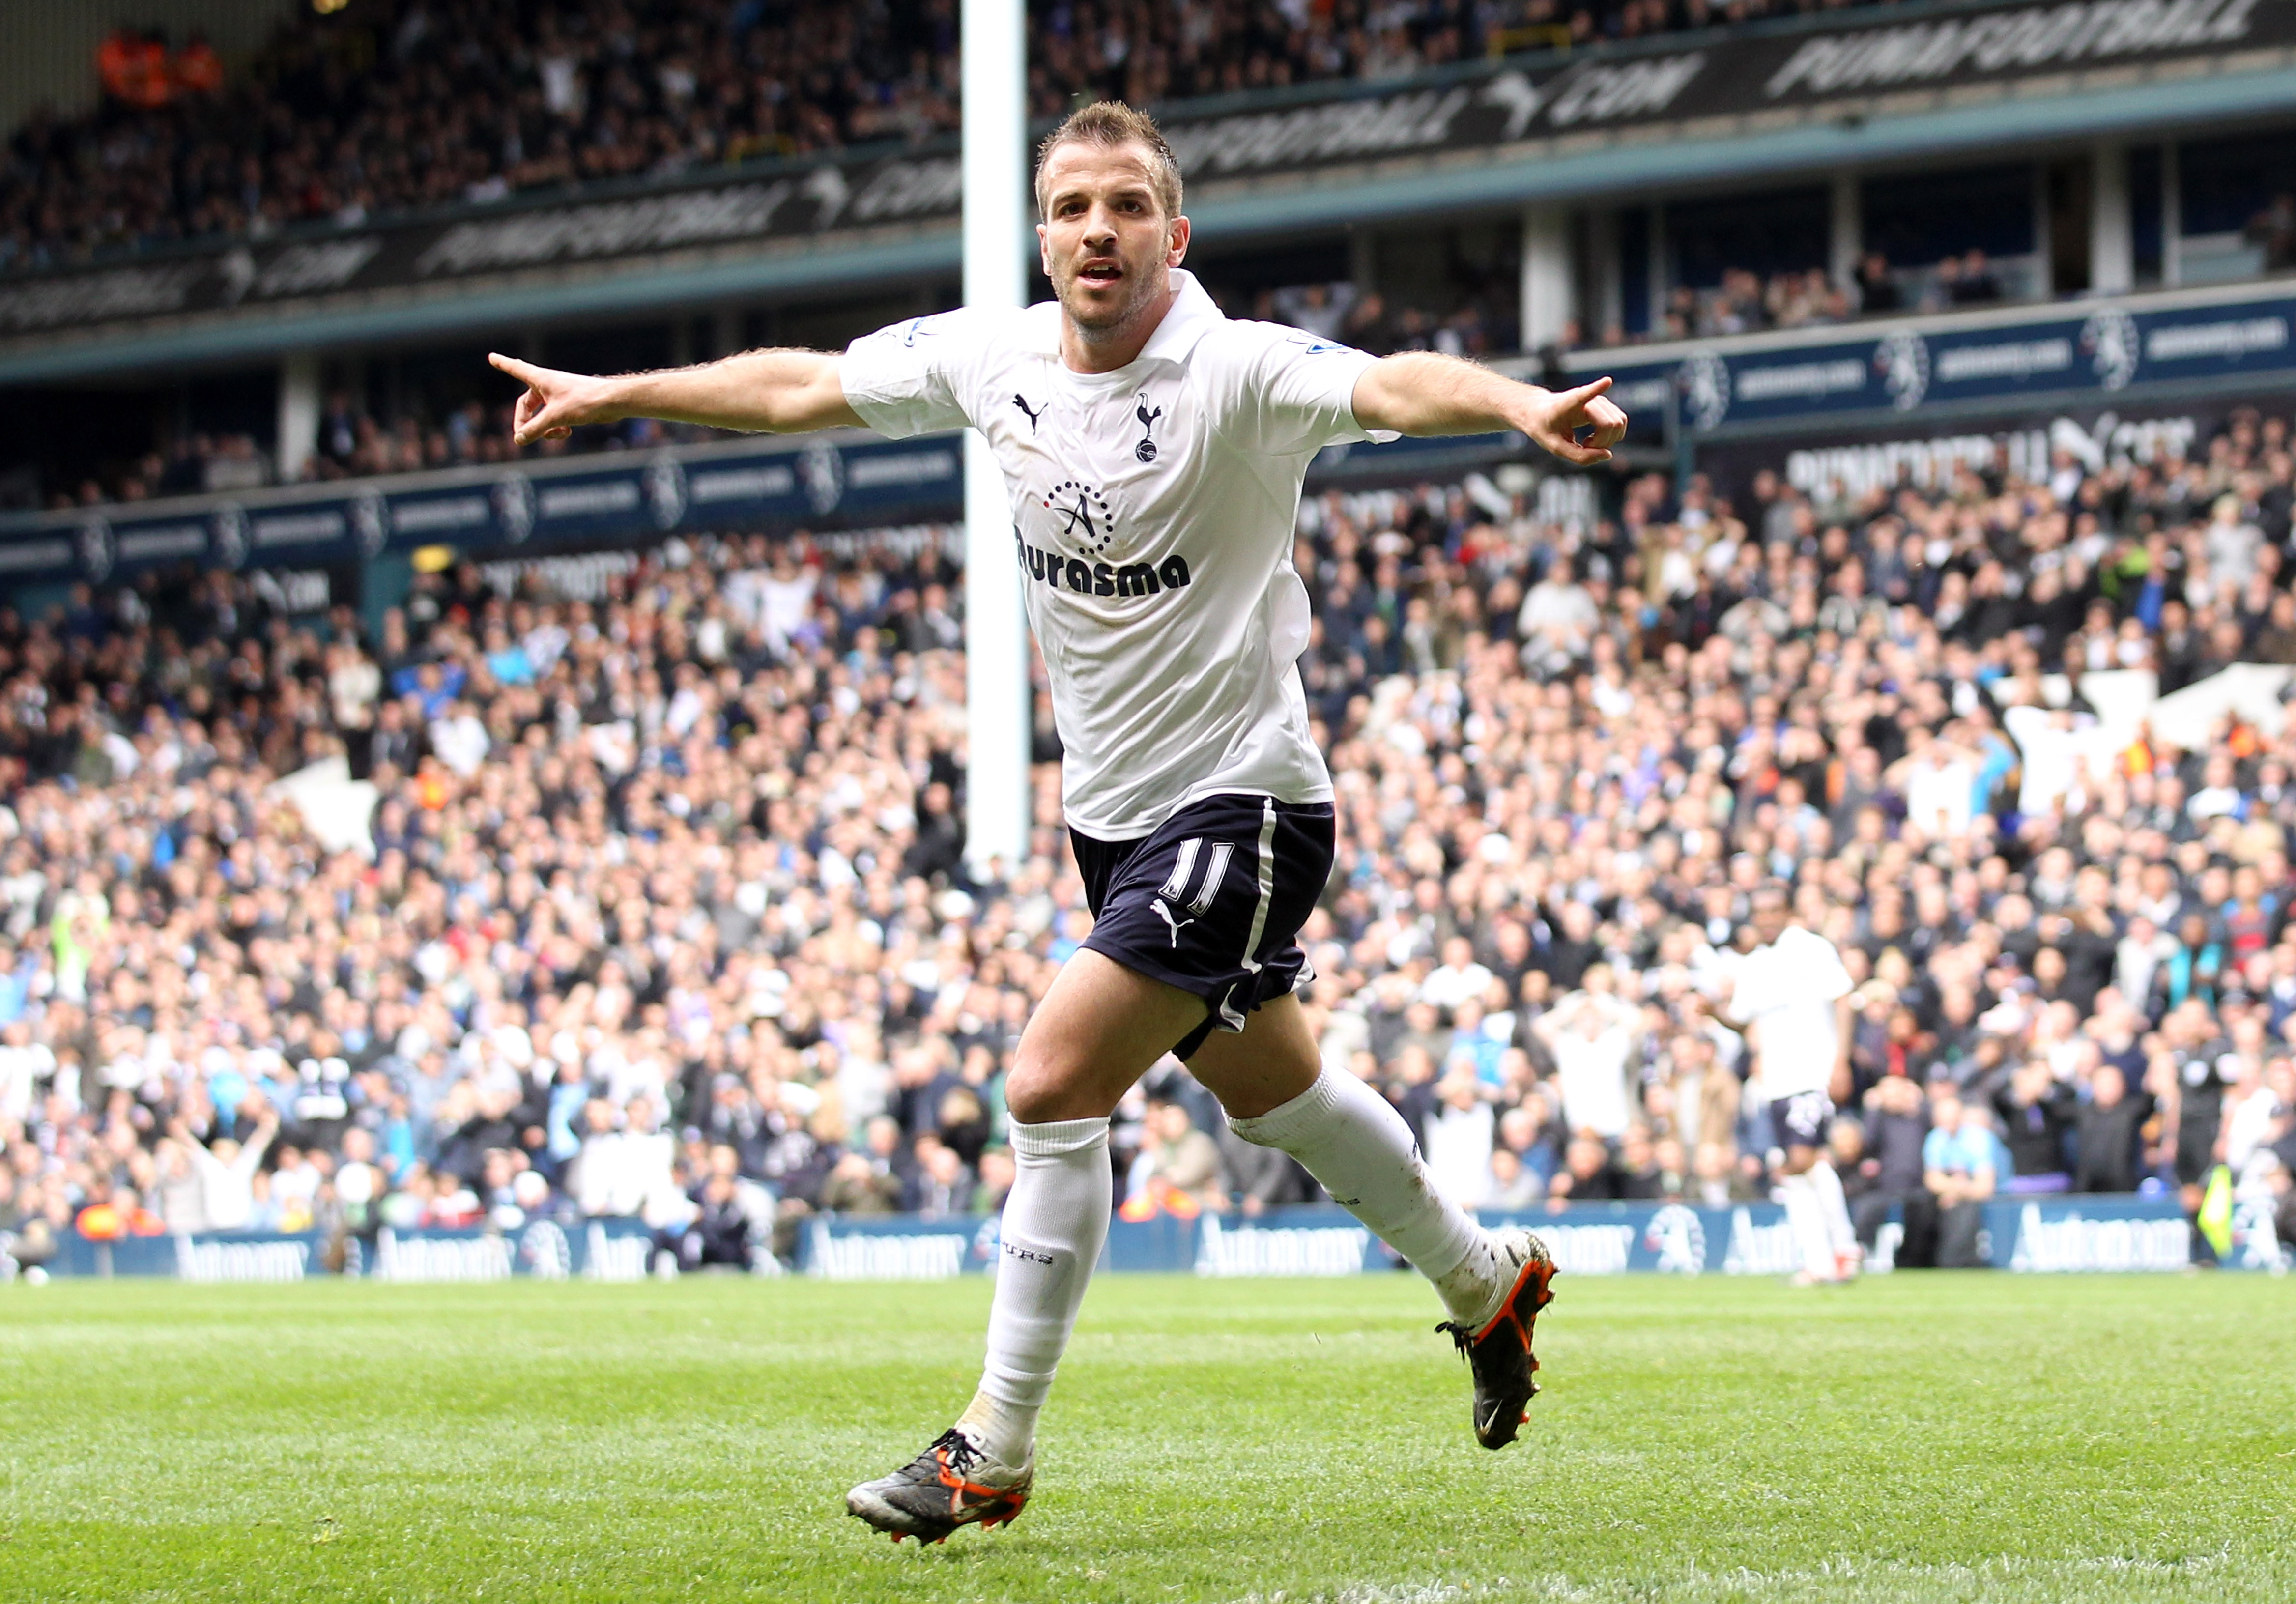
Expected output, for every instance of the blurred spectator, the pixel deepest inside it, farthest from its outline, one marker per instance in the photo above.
(1893, 1171)
(227, 1169)
(1178, 1166)
(1260, 1178)
(1962, 1161)
(1877, 290)
(2274, 229)
(1457, 1140)
(2037, 1114)
(1589, 1037)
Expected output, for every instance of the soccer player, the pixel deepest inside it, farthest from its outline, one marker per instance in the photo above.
(1153, 450)
(1792, 1000)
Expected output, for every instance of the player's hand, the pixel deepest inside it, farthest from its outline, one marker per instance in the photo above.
(556, 402)
(1579, 425)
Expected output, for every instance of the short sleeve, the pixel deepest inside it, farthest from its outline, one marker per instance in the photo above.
(908, 379)
(1300, 393)
(1825, 976)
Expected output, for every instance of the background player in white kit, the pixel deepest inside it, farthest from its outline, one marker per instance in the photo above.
(1791, 999)
(1154, 452)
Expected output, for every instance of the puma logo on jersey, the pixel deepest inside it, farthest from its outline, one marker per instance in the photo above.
(1027, 412)
(1178, 925)
(1146, 449)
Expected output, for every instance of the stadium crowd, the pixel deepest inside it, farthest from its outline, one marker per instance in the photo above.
(354, 443)
(423, 432)
(667, 914)
(357, 112)
(1745, 302)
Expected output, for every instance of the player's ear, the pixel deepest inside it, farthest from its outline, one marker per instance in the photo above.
(1045, 250)
(1175, 250)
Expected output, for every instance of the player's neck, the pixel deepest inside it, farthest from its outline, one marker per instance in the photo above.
(1104, 350)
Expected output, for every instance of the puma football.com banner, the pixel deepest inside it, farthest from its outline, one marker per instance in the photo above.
(1856, 67)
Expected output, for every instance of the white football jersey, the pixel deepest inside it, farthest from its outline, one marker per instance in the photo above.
(1788, 989)
(1153, 510)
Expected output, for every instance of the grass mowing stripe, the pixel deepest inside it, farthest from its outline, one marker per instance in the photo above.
(1916, 1438)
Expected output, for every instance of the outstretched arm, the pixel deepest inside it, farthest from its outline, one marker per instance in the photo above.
(1421, 393)
(1716, 1012)
(763, 392)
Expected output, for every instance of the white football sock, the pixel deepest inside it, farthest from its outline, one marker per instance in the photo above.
(1359, 1148)
(1798, 1196)
(1055, 1222)
(1839, 1232)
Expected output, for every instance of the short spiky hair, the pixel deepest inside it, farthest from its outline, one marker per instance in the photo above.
(1109, 124)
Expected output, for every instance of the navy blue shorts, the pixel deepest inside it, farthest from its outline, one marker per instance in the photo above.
(1213, 902)
(1801, 1120)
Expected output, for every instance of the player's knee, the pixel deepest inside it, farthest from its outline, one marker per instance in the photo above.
(1048, 1085)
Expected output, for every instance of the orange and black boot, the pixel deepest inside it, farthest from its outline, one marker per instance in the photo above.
(1499, 1352)
(951, 1484)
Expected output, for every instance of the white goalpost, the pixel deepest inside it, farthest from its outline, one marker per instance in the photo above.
(995, 84)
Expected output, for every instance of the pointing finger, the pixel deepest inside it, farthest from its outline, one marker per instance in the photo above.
(1571, 451)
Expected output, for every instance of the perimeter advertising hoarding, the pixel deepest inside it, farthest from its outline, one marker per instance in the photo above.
(1853, 463)
(2035, 1236)
(526, 509)
(2091, 353)
(1899, 380)
(1853, 66)
(613, 1250)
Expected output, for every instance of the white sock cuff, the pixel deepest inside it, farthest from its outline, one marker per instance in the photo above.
(1287, 1122)
(1057, 1138)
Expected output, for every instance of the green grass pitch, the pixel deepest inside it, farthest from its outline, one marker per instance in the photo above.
(1934, 1437)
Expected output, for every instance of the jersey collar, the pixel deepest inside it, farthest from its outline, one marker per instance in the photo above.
(1193, 315)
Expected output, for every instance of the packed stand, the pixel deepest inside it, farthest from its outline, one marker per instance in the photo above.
(667, 918)
(383, 108)
(353, 443)
(1480, 323)
(1744, 302)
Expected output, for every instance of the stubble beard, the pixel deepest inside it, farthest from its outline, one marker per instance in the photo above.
(1101, 326)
